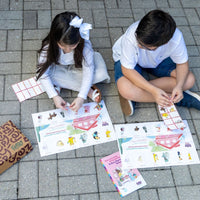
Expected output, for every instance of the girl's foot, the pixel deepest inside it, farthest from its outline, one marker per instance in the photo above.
(94, 94)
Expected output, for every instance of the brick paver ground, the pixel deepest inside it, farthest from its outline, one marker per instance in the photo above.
(78, 174)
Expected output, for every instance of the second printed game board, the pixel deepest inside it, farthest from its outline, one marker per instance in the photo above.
(152, 144)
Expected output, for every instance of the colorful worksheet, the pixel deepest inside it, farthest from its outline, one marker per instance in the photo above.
(27, 89)
(63, 130)
(126, 181)
(171, 117)
(152, 144)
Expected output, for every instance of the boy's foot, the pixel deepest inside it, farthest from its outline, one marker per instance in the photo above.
(190, 100)
(127, 106)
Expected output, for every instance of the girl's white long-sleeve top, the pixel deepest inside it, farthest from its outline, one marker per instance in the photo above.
(68, 59)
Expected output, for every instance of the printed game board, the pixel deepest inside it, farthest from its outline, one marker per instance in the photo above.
(152, 144)
(171, 117)
(63, 130)
(125, 180)
(27, 89)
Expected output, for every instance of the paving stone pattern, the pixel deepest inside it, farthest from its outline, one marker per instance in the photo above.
(78, 174)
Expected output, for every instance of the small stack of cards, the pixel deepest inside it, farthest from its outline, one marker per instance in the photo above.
(171, 117)
(27, 89)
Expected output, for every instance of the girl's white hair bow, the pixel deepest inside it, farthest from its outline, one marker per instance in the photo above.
(83, 27)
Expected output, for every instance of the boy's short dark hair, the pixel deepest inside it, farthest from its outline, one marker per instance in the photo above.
(155, 28)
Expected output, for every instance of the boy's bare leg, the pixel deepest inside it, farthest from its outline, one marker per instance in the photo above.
(130, 91)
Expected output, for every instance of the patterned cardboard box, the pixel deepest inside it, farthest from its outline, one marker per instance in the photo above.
(13, 145)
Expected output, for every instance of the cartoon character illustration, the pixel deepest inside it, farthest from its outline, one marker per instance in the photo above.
(62, 113)
(162, 109)
(44, 146)
(98, 107)
(187, 144)
(155, 157)
(165, 155)
(172, 109)
(165, 115)
(139, 183)
(59, 143)
(179, 155)
(136, 128)
(39, 118)
(124, 176)
(52, 115)
(132, 176)
(87, 109)
(140, 158)
(95, 135)
(145, 129)
(105, 124)
(178, 121)
(84, 137)
(119, 171)
(108, 133)
(71, 140)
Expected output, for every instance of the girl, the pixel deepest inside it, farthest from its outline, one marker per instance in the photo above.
(67, 60)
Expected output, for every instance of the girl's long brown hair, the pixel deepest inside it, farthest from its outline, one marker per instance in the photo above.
(61, 32)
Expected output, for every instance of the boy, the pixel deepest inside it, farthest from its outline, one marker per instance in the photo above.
(153, 44)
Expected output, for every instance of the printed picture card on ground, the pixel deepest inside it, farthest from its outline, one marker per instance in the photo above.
(152, 144)
(63, 130)
(27, 89)
(171, 117)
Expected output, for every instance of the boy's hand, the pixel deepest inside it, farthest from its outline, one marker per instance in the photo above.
(59, 102)
(177, 94)
(161, 98)
(76, 104)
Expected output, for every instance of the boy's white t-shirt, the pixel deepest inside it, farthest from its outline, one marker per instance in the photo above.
(127, 51)
(68, 59)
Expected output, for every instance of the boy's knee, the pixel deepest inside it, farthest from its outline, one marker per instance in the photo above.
(190, 80)
(122, 87)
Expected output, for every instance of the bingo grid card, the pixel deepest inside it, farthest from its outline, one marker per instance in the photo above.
(27, 89)
(171, 117)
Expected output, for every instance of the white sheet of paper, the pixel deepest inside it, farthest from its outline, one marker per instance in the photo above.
(152, 144)
(63, 130)
(27, 89)
(171, 117)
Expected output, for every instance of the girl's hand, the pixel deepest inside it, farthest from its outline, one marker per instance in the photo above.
(59, 102)
(161, 98)
(177, 94)
(76, 104)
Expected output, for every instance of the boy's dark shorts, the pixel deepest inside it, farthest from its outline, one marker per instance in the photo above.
(164, 69)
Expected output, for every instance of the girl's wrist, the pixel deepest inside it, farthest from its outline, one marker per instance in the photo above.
(55, 97)
(80, 98)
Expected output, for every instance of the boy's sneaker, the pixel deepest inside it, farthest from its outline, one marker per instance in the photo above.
(190, 100)
(127, 106)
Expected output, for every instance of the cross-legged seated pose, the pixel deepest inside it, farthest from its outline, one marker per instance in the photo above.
(153, 44)
(67, 60)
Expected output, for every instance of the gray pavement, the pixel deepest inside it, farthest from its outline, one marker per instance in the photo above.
(78, 174)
